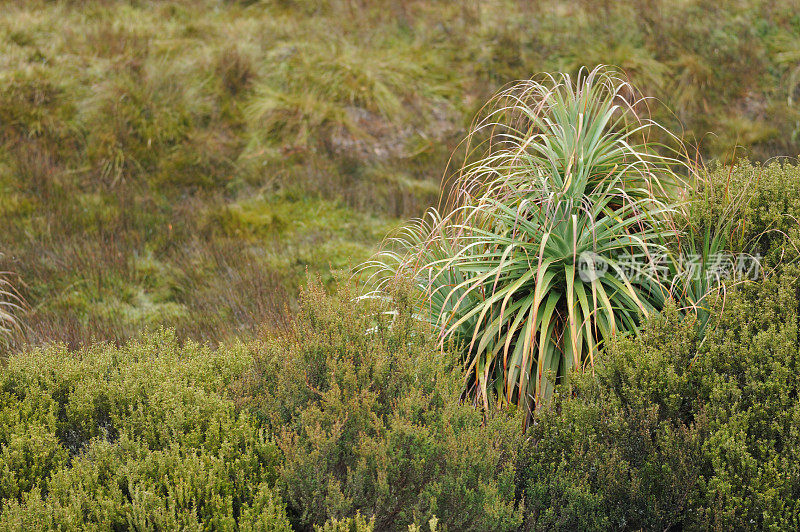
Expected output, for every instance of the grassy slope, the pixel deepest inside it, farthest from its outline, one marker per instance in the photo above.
(183, 162)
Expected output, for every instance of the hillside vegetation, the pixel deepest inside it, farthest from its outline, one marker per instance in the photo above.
(182, 163)
(328, 428)
(185, 186)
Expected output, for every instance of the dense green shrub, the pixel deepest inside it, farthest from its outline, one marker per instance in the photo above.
(681, 428)
(353, 412)
(674, 430)
(766, 199)
(348, 524)
(141, 437)
(369, 419)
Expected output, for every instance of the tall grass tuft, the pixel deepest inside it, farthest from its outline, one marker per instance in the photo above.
(11, 303)
(528, 271)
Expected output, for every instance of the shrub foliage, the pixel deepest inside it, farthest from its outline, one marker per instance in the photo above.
(674, 431)
(371, 422)
(684, 428)
(141, 437)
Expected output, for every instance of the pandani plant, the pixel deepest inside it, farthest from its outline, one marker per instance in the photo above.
(555, 236)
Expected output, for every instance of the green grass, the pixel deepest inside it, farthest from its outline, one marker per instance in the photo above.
(127, 128)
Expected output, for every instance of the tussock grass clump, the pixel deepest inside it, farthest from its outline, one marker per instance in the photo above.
(235, 70)
(11, 306)
(314, 85)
